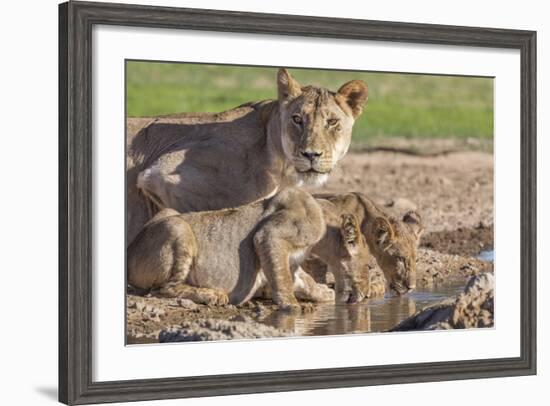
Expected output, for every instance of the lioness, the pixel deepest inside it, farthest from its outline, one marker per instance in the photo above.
(393, 242)
(224, 256)
(199, 162)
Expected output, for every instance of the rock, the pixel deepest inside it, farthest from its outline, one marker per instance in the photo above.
(215, 329)
(240, 317)
(259, 309)
(157, 312)
(247, 305)
(473, 308)
(140, 306)
(480, 226)
(187, 304)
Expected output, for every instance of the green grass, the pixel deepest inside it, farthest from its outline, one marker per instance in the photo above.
(400, 105)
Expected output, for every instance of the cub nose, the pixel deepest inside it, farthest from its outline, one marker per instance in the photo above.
(311, 155)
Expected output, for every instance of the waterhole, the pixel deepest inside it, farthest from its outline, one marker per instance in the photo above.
(371, 315)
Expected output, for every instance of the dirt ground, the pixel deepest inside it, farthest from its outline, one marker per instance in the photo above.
(452, 191)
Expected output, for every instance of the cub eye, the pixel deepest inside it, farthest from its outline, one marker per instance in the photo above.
(332, 121)
(297, 119)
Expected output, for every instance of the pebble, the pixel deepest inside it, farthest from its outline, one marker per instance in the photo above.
(158, 311)
(187, 304)
(259, 309)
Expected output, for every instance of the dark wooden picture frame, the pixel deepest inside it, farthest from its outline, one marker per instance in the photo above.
(76, 20)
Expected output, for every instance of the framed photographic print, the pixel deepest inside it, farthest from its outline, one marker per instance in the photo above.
(260, 202)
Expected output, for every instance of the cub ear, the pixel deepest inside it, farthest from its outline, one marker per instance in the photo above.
(287, 86)
(350, 232)
(355, 93)
(384, 231)
(413, 219)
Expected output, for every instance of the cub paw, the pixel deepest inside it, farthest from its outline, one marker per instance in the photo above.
(223, 299)
(289, 305)
(214, 298)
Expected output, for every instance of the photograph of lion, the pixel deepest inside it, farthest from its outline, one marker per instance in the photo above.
(272, 202)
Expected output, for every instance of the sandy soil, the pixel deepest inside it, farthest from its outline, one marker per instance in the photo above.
(453, 192)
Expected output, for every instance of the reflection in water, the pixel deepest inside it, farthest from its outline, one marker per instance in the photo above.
(371, 315)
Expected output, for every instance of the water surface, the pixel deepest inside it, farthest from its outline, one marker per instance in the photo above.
(371, 315)
(487, 256)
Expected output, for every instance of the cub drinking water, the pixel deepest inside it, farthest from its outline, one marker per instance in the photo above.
(392, 242)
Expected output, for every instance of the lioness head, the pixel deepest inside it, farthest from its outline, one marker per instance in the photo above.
(316, 124)
(396, 246)
(354, 260)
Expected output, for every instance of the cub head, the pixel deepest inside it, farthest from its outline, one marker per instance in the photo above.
(396, 243)
(354, 260)
(316, 124)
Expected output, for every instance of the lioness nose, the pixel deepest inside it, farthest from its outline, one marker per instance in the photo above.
(311, 155)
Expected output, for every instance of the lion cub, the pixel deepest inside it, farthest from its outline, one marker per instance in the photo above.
(392, 242)
(222, 256)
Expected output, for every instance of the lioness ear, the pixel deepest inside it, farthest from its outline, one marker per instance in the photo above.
(384, 231)
(413, 219)
(287, 86)
(355, 94)
(351, 233)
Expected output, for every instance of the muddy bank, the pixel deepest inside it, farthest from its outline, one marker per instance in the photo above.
(148, 316)
(435, 267)
(474, 308)
(462, 241)
(238, 328)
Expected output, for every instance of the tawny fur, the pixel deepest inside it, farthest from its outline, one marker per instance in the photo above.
(223, 256)
(205, 161)
(227, 255)
(392, 242)
(346, 249)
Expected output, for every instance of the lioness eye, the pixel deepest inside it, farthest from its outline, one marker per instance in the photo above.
(332, 121)
(297, 119)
